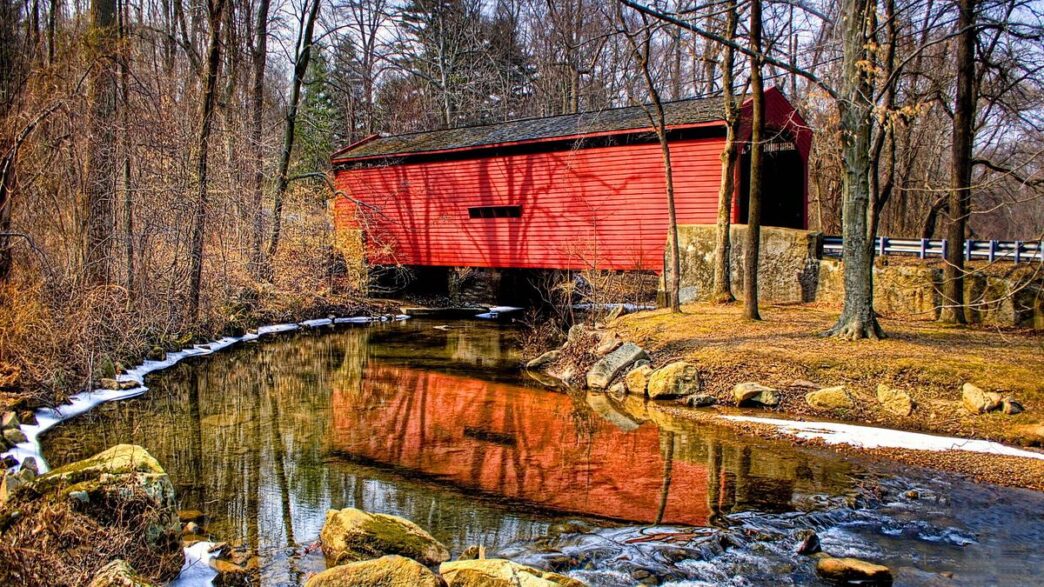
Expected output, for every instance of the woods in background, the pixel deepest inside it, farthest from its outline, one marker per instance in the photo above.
(155, 154)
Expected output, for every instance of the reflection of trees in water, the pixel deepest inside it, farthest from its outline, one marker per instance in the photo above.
(246, 436)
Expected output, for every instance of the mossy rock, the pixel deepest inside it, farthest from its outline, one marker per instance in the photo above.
(118, 460)
(387, 571)
(495, 572)
(119, 484)
(351, 535)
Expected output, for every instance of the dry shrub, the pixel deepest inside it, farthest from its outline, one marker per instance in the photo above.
(51, 544)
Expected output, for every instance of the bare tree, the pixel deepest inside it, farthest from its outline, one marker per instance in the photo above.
(100, 191)
(757, 126)
(216, 13)
(729, 155)
(310, 11)
(641, 47)
(259, 58)
(961, 163)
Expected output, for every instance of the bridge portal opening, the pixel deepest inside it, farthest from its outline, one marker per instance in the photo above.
(783, 183)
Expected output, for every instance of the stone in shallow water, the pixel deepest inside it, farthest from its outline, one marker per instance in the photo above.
(351, 535)
(494, 572)
(609, 366)
(852, 571)
(637, 379)
(545, 359)
(387, 571)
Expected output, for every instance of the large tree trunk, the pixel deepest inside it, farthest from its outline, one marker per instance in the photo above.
(857, 318)
(723, 244)
(757, 124)
(99, 196)
(960, 193)
(259, 58)
(282, 180)
(217, 12)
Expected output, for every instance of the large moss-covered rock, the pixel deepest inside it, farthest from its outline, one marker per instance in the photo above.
(608, 367)
(387, 571)
(494, 572)
(119, 573)
(351, 535)
(677, 379)
(124, 476)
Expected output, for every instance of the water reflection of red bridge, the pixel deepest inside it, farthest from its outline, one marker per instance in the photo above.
(516, 442)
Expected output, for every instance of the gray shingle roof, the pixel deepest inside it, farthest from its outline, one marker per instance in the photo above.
(531, 129)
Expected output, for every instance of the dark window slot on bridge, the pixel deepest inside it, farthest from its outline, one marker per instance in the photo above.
(495, 212)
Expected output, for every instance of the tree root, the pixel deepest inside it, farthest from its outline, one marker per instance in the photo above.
(856, 328)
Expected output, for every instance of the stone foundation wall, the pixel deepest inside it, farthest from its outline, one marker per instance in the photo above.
(791, 270)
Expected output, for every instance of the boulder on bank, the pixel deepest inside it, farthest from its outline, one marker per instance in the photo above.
(608, 342)
(977, 401)
(637, 379)
(387, 571)
(755, 393)
(678, 379)
(895, 401)
(9, 421)
(115, 476)
(351, 535)
(119, 573)
(829, 399)
(544, 360)
(608, 367)
(852, 571)
(494, 572)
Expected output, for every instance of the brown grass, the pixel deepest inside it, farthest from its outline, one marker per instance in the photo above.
(929, 360)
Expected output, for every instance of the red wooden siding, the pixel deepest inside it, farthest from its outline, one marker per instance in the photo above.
(603, 207)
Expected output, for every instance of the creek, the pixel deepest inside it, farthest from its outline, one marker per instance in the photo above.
(436, 423)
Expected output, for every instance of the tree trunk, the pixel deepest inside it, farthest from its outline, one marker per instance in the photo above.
(723, 244)
(128, 194)
(259, 58)
(217, 12)
(857, 318)
(300, 68)
(101, 163)
(757, 124)
(960, 193)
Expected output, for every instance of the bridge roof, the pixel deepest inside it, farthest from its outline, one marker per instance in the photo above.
(608, 121)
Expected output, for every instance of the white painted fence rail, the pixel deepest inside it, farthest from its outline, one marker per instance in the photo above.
(1016, 251)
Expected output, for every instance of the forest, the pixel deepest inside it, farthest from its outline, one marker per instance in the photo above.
(163, 171)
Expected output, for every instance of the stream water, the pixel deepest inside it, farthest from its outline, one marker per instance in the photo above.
(436, 423)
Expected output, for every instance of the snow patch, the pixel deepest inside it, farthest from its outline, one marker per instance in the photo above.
(871, 437)
(196, 570)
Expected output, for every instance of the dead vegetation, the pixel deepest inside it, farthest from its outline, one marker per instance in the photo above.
(47, 542)
(928, 360)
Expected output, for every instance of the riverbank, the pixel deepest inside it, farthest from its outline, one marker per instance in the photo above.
(928, 361)
(49, 352)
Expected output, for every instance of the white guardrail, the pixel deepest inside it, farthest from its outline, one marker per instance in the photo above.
(924, 248)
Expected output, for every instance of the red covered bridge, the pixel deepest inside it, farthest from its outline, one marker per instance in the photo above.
(577, 191)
